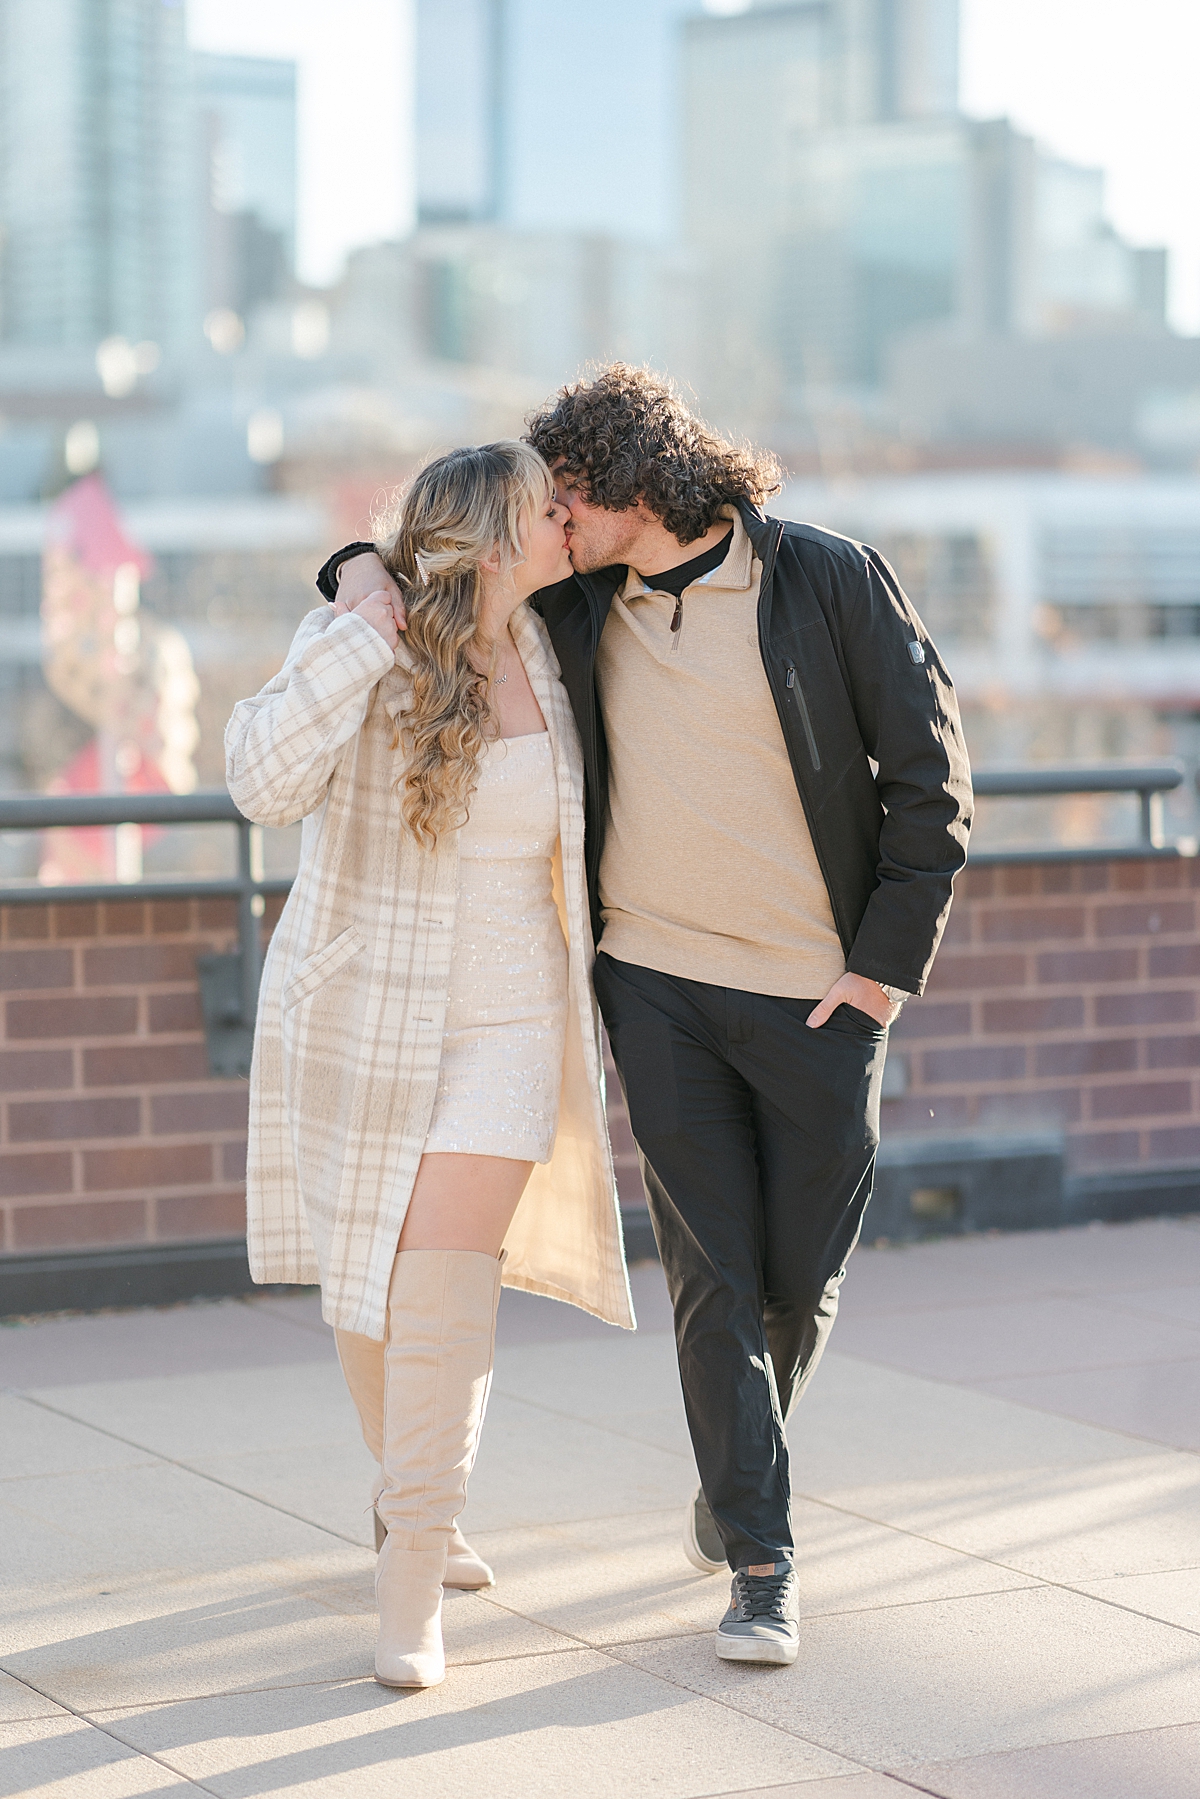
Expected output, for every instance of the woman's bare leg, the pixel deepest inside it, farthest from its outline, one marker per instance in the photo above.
(464, 1202)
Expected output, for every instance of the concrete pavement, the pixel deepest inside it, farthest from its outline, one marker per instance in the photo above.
(998, 1505)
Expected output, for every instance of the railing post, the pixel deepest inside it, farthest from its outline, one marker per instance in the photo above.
(1151, 818)
(250, 911)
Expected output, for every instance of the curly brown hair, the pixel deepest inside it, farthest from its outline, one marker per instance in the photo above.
(626, 435)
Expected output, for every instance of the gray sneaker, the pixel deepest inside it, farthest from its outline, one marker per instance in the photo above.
(701, 1539)
(763, 1620)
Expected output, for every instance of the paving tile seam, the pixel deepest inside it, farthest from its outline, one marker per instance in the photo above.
(113, 1736)
(1034, 1580)
(797, 1736)
(994, 1301)
(1160, 1361)
(170, 1461)
(303, 1686)
(960, 1386)
(536, 1405)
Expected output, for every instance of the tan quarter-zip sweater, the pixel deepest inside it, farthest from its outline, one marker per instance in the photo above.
(708, 871)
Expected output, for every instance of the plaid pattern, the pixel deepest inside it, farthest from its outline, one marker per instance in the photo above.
(353, 999)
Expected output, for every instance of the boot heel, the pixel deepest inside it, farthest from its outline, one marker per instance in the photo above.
(408, 1591)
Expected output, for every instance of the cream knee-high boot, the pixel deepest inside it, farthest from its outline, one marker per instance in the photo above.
(362, 1364)
(437, 1372)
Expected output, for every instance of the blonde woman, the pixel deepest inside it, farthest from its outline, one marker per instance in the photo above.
(426, 1102)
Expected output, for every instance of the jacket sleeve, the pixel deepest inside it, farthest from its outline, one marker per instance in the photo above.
(282, 746)
(908, 715)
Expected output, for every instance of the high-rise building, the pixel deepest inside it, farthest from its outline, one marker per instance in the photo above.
(549, 118)
(246, 120)
(96, 173)
(840, 200)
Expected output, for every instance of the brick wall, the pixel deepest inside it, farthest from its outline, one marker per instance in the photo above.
(1064, 996)
(112, 1130)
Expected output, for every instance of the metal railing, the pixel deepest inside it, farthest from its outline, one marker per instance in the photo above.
(1149, 781)
(229, 984)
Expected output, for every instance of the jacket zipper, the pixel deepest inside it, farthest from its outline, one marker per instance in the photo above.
(677, 623)
(797, 693)
(768, 562)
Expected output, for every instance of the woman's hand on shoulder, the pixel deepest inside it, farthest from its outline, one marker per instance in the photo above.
(376, 609)
(366, 578)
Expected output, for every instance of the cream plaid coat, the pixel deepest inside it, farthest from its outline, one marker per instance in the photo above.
(354, 990)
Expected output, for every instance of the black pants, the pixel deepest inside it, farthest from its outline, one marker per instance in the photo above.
(757, 1139)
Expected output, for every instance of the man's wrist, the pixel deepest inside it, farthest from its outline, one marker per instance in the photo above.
(330, 574)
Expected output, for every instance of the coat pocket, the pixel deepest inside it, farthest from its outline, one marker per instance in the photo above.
(322, 965)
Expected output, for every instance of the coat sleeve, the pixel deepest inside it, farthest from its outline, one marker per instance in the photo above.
(908, 714)
(282, 746)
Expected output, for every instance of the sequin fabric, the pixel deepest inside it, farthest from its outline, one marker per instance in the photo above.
(502, 1051)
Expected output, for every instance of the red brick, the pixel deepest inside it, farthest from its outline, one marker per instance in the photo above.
(175, 1011)
(1018, 878)
(959, 927)
(1129, 877)
(48, 1171)
(22, 969)
(956, 972)
(915, 1113)
(220, 1109)
(1173, 1052)
(21, 922)
(1025, 924)
(1058, 877)
(1182, 1144)
(62, 1120)
(1029, 1108)
(1104, 1149)
(1075, 967)
(1175, 1006)
(1101, 1055)
(1148, 1100)
(1030, 1016)
(171, 917)
(200, 1215)
(951, 1067)
(1175, 960)
(69, 1226)
(925, 1018)
(76, 921)
(179, 1165)
(124, 918)
(975, 883)
(111, 1017)
(233, 1161)
(218, 914)
(1165, 875)
(139, 964)
(1093, 877)
(36, 1070)
(151, 1064)
(1146, 918)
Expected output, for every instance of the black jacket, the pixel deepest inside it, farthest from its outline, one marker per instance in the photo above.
(855, 679)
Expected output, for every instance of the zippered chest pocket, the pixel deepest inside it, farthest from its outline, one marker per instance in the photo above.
(795, 696)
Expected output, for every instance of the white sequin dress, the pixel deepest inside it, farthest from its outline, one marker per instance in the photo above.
(502, 1052)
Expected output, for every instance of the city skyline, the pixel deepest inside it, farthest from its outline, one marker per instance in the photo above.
(359, 187)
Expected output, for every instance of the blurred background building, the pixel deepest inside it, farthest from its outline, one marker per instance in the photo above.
(929, 316)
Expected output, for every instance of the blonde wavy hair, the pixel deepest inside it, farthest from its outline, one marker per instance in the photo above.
(461, 508)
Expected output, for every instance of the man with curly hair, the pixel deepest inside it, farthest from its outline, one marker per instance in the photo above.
(778, 799)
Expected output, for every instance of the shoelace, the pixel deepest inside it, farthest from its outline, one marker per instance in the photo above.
(759, 1596)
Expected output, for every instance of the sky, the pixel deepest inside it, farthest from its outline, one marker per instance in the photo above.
(1074, 73)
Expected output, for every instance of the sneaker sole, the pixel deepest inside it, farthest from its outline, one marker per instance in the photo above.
(693, 1551)
(756, 1649)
